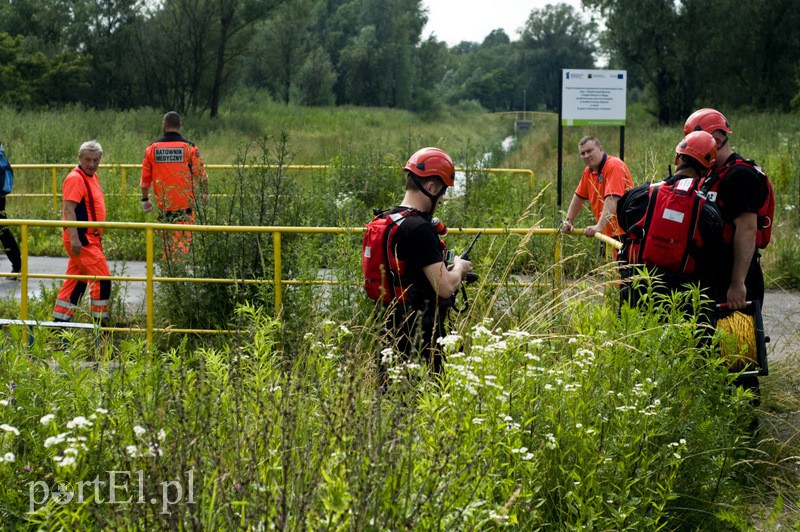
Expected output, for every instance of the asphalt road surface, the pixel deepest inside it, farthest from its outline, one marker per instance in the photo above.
(131, 291)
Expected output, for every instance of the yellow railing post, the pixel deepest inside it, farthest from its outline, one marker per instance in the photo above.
(23, 274)
(558, 272)
(124, 183)
(276, 242)
(149, 274)
(55, 188)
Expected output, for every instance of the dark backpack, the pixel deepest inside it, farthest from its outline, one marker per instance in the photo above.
(6, 173)
(668, 224)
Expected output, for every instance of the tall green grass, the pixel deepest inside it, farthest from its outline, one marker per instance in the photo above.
(571, 419)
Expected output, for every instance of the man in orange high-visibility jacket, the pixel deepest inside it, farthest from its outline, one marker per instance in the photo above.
(173, 167)
(84, 201)
(604, 180)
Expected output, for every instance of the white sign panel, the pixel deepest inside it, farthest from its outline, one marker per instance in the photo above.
(593, 97)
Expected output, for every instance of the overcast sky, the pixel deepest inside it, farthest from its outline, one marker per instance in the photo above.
(453, 21)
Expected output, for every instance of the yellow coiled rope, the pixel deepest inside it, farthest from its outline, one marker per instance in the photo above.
(738, 342)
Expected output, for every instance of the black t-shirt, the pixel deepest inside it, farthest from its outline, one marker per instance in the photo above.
(417, 243)
(742, 190)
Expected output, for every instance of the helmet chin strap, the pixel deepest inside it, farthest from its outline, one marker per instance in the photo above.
(433, 197)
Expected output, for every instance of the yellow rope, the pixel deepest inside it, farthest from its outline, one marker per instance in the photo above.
(738, 342)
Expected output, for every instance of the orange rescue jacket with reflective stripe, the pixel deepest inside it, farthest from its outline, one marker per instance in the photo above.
(173, 166)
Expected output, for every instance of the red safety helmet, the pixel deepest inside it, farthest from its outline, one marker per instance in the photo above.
(429, 162)
(699, 145)
(708, 120)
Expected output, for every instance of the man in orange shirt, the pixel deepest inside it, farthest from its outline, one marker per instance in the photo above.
(173, 167)
(84, 201)
(605, 179)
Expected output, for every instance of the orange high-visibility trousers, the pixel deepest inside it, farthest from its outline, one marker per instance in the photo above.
(90, 261)
(177, 244)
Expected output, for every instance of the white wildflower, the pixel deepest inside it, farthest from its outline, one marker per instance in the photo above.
(101, 411)
(517, 334)
(79, 422)
(449, 340)
(8, 428)
(479, 331)
(139, 431)
(55, 440)
(65, 461)
(9, 457)
(4, 402)
(46, 419)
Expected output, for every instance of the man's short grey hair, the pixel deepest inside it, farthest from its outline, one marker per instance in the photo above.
(90, 145)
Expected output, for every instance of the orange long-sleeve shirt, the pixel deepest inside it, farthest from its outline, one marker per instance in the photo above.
(173, 166)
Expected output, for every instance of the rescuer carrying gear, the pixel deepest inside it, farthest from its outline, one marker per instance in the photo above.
(405, 267)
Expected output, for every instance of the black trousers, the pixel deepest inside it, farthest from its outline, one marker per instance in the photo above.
(9, 242)
(412, 335)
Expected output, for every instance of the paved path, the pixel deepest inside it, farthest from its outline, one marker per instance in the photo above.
(132, 291)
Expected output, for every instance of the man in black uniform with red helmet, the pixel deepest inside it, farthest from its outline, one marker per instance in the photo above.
(422, 280)
(739, 192)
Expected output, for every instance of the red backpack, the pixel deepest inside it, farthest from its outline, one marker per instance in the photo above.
(384, 279)
(670, 233)
(766, 213)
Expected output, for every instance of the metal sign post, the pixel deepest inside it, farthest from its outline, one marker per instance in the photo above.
(591, 98)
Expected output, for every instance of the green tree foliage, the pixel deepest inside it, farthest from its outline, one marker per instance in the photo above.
(553, 38)
(484, 73)
(645, 36)
(30, 79)
(190, 54)
(188, 48)
(377, 65)
(285, 34)
(723, 53)
(315, 79)
(758, 54)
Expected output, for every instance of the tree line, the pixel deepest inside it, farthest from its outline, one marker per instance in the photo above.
(188, 55)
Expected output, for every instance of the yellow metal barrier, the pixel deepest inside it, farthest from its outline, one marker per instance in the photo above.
(123, 168)
(150, 279)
